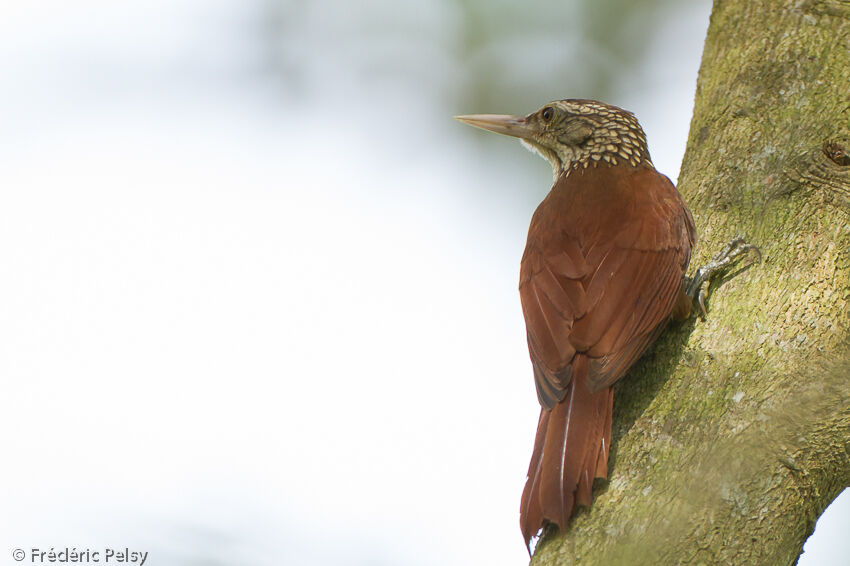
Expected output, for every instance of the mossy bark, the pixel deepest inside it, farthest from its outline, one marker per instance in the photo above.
(733, 434)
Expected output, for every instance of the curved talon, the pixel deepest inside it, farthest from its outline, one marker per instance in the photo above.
(701, 296)
(719, 263)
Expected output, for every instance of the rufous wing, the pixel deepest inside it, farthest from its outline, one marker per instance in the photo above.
(602, 281)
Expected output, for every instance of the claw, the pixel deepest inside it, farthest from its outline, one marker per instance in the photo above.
(701, 296)
(719, 263)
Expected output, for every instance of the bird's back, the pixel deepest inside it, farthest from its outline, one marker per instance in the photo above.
(606, 253)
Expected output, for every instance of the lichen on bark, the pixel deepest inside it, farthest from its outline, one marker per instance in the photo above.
(733, 434)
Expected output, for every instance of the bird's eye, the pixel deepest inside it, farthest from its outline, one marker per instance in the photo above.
(547, 113)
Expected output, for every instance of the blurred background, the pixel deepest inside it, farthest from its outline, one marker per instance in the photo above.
(259, 289)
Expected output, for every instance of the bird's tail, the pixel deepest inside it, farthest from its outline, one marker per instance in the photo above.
(570, 450)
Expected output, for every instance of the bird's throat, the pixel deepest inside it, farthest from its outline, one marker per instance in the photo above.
(547, 154)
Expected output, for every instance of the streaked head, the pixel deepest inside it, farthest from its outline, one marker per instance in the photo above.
(573, 133)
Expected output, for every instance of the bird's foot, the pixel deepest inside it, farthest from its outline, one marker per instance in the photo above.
(696, 287)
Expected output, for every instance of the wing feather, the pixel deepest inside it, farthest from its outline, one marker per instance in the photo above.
(602, 278)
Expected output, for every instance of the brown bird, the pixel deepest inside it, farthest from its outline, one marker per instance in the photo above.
(603, 271)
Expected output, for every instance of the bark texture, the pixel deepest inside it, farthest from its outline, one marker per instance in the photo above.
(733, 434)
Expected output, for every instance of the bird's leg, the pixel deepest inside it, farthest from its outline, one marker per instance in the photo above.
(696, 286)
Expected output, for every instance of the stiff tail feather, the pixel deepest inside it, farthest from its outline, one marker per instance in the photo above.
(570, 450)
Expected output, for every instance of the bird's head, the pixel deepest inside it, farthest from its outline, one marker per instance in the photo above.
(573, 134)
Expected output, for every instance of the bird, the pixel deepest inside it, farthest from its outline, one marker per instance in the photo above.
(603, 271)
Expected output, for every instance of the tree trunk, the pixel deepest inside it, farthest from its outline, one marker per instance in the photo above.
(733, 434)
